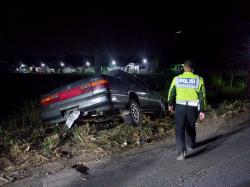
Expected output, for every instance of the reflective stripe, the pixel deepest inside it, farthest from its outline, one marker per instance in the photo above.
(187, 82)
(188, 103)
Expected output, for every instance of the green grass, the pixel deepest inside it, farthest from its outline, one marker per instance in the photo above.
(25, 127)
(225, 87)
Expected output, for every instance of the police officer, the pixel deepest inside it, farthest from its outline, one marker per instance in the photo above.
(188, 91)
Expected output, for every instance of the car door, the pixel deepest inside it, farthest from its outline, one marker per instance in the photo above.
(141, 90)
(148, 97)
(153, 99)
(119, 86)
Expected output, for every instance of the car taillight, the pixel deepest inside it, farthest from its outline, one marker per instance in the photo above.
(99, 84)
(49, 99)
(83, 89)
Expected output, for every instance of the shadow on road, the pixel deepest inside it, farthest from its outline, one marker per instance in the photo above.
(215, 141)
(245, 184)
(208, 141)
(197, 152)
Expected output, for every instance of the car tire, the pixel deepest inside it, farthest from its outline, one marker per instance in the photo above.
(135, 113)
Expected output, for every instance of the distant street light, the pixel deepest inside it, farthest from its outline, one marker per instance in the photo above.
(178, 32)
(144, 61)
(42, 64)
(22, 65)
(113, 62)
(88, 63)
(62, 64)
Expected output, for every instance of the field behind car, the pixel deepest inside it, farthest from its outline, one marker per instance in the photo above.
(18, 88)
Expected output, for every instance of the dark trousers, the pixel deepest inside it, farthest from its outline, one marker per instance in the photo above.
(185, 118)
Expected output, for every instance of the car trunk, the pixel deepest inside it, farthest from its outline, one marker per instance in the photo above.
(68, 93)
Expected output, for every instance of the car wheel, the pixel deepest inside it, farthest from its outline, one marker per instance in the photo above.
(135, 113)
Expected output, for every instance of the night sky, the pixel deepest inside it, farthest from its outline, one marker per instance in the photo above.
(211, 32)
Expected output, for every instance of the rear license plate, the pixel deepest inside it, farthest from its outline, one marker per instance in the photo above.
(72, 117)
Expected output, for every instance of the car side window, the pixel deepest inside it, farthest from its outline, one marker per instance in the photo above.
(139, 81)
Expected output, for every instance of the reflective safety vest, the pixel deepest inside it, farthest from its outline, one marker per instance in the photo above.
(188, 88)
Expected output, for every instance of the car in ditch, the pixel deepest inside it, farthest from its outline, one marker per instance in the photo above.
(103, 96)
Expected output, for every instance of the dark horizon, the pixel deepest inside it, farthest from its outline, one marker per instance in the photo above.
(209, 31)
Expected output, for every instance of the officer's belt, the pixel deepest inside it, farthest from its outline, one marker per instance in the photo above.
(188, 103)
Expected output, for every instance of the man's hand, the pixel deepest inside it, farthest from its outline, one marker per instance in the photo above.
(171, 109)
(202, 115)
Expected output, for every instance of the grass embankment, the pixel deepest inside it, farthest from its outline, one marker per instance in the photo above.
(26, 141)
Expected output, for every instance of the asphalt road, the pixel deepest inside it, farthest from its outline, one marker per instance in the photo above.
(221, 160)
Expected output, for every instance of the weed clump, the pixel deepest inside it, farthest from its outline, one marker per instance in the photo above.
(230, 109)
(50, 143)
